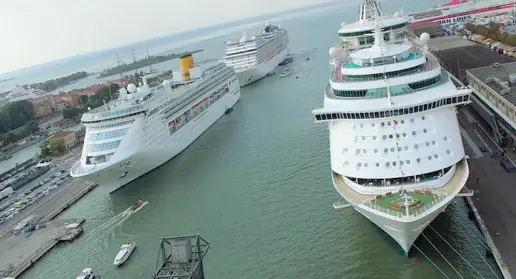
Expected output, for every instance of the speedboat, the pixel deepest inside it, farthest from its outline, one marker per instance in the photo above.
(87, 273)
(286, 72)
(124, 253)
(137, 205)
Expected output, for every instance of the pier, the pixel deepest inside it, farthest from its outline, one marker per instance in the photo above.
(492, 207)
(25, 248)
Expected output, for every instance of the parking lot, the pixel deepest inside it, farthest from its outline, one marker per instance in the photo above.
(15, 207)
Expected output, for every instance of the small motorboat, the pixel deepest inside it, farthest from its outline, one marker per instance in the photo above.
(137, 205)
(87, 273)
(286, 72)
(124, 253)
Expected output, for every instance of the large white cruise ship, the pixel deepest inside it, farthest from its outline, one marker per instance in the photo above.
(396, 150)
(255, 57)
(145, 127)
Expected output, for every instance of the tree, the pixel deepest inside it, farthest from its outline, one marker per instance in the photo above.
(32, 127)
(71, 112)
(83, 99)
(57, 146)
(45, 149)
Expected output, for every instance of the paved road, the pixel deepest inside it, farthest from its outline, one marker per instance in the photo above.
(495, 194)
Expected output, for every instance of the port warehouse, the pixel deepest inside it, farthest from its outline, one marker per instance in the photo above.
(469, 60)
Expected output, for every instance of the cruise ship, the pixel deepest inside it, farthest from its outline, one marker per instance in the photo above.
(463, 10)
(257, 56)
(396, 151)
(145, 127)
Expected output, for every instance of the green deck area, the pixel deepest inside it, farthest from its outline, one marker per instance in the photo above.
(418, 199)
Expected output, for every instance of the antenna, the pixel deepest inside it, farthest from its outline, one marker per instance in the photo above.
(150, 64)
(134, 57)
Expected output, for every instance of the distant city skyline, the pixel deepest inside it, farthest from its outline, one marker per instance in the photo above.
(37, 32)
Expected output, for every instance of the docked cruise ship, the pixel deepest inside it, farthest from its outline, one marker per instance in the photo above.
(463, 10)
(145, 127)
(396, 150)
(255, 57)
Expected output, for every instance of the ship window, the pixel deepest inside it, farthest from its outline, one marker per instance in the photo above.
(103, 146)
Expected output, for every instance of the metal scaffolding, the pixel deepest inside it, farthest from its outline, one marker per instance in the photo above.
(181, 257)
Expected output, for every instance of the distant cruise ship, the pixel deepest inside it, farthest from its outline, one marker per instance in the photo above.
(462, 10)
(146, 127)
(256, 57)
(395, 145)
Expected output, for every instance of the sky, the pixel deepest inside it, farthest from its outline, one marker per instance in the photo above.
(39, 31)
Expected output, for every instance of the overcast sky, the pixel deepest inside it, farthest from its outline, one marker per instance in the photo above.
(38, 31)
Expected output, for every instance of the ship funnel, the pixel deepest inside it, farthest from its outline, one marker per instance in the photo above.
(186, 63)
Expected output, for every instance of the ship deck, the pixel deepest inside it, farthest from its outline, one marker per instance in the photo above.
(393, 203)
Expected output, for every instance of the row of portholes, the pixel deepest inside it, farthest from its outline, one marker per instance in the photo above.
(398, 163)
(389, 123)
(386, 150)
(391, 136)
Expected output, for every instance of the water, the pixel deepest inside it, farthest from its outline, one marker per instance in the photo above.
(257, 186)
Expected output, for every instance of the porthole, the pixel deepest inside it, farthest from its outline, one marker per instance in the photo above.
(389, 123)
(406, 148)
(446, 138)
(361, 125)
(418, 160)
(423, 117)
(402, 121)
(365, 165)
(364, 151)
(387, 164)
(377, 165)
(383, 124)
(393, 164)
(404, 135)
(358, 151)
(448, 152)
(392, 149)
(359, 165)
(433, 142)
(398, 135)
(413, 133)
(429, 157)
(384, 137)
(372, 124)
(390, 136)
(363, 138)
(427, 143)
(436, 156)
(401, 163)
(399, 148)
(424, 131)
(408, 162)
(374, 137)
(416, 146)
(411, 119)
(386, 150)
(376, 151)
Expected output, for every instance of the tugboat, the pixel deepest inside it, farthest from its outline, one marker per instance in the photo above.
(125, 251)
(87, 273)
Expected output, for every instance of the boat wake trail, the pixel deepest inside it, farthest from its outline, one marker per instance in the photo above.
(115, 221)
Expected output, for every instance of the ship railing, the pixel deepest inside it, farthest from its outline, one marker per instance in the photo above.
(109, 111)
(428, 66)
(385, 61)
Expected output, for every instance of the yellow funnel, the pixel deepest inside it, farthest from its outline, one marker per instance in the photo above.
(186, 63)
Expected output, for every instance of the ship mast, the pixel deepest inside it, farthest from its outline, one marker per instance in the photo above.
(369, 10)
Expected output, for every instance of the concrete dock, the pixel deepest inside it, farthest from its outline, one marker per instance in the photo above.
(26, 249)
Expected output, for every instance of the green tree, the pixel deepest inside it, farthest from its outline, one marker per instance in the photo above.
(83, 99)
(71, 112)
(32, 127)
(57, 146)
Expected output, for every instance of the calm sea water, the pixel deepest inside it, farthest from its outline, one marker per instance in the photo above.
(257, 186)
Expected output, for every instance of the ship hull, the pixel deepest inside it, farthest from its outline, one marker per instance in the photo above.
(258, 72)
(148, 158)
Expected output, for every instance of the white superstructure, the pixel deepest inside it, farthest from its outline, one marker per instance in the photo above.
(146, 127)
(255, 57)
(395, 145)
(124, 253)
